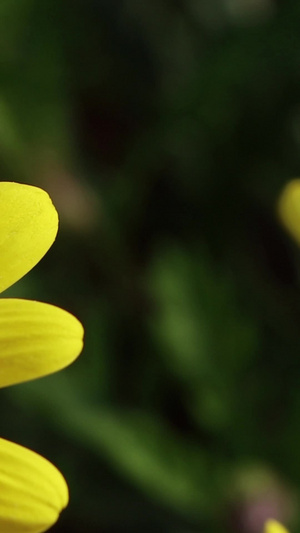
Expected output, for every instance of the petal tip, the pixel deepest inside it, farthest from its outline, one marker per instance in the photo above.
(37, 486)
(28, 228)
(36, 339)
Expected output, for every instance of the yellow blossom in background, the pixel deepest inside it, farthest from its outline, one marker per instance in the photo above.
(36, 339)
(289, 208)
(272, 526)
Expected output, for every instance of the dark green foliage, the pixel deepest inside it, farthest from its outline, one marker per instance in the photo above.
(164, 132)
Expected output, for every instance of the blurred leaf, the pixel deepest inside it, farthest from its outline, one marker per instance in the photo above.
(200, 331)
(144, 449)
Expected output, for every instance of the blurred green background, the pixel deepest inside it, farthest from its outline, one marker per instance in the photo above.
(164, 132)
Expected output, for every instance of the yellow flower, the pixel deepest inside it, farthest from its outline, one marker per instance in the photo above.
(272, 526)
(36, 339)
(289, 208)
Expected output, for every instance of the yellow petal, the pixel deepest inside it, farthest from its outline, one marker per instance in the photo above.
(272, 526)
(32, 491)
(36, 339)
(28, 227)
(289, 208)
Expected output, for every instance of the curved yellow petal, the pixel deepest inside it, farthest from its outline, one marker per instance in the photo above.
(289, 208)
(272, 526)
(32, 491)
(36, 339)
(28, 227)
